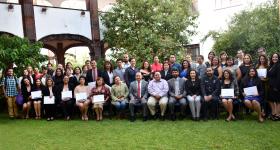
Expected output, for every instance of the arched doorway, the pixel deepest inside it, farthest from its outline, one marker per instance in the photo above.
(77, 55)
(50, 54)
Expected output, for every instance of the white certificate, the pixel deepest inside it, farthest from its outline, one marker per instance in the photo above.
(262, 72)
(98, 98)
(48, 100)
(66, 94)
(36, 94)
(92, 84)
(81, 96)
(227, 93)
(251, 91)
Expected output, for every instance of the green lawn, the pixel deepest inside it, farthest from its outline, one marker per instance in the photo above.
(121, 134)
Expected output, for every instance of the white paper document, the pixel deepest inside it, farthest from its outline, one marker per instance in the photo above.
(98, 98)
(227, 93)
(81, 96)
(36, 94)
(251, 91)
(92, 84)
(48, 100)
(66, 94)
(262, 72)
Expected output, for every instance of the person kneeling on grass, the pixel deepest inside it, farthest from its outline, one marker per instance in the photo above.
(253, 101)
(82, 103)
(119, 94)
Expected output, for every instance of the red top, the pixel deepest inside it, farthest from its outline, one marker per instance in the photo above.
(156, 67)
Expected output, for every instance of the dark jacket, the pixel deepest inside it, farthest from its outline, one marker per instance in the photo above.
(25, 93)
(256, 82)
(274, 76)
(166, 77)
(89, 77)
(129, 75)
(106, 78)
(210, 86)
(193, 88)
(59, 89)
(46, 92)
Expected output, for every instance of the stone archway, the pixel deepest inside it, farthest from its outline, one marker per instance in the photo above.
(59, 43)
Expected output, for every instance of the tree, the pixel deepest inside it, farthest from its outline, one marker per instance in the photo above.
(250, 30)
(145, 28)
(19, 51)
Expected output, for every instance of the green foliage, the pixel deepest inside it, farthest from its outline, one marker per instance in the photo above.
(250, 30)
(18, 51)
(145, 28)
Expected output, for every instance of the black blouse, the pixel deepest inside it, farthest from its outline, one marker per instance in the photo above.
(193, 87)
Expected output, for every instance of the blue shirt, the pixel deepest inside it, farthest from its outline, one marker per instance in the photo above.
(10, 85)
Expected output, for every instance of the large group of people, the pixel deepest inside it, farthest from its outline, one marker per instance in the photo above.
(239, 84)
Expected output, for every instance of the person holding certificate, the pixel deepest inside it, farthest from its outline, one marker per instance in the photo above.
(230, 92)
(65, 96)
(36, 95)
(99, 94)
(194, 94)
(274, 84)
(81, 93)
(49, 95)
(251, 87)
(119, 94)
(26, 93)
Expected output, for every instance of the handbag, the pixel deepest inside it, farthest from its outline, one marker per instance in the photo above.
(19, 99)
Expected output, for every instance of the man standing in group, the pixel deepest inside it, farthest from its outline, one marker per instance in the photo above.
(126, 63)
(10, 88)
(138, 93)
(93, 73)
(158, 89)
(177, 94)
(119, 71)
(201, 67)
(240, 56)
(50, 69)
(173, 63)
(130, 72)
(210, 89)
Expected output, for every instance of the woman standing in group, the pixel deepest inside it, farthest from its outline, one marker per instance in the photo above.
(102, 90)
(82, 103)
(228, 82)
(194, 94)
(37, 102)
(146, 71)
(274, 84)
(58, 77)
(253, 101)
(156, 66)
(223, 59)
(49, 91)
(230, 66)
(108, 73)
(67, 101)
(26, 93)
(262, 67)
(211, 55)
(119, 94)
(244, 67)
(76, 76)
(217, 69)
(186, 66)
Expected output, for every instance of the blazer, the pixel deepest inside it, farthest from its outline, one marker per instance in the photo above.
(171, 85)
(129, 75)
(46, 92)
(59, 89)
(167, 76)
(133, 90)
(106, 78)
(273, 75)
(89, 75)
(193, 88)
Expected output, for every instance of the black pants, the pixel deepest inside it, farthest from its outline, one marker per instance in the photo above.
(133, 105)
(210, 108)
(67, 107)
(49, 110)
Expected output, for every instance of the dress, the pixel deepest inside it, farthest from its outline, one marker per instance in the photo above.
(250, 97)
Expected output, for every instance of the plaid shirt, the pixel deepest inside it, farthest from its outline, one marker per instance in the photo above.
(10, 86)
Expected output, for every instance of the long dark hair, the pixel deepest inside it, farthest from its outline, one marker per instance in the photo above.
(230, 76)
(271, 62)
(196, 75)
(265, 61)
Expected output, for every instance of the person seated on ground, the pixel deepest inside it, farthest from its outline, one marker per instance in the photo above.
(229, 82)
(101, 90)
(210, 89)
(253, 101)
(194, 94)
(82, 103)
(177, 94)
(138, 93)
(119, 95)
(158, 90)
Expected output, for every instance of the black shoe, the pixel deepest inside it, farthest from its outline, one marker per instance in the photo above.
(145, 118)
(193, 118)
(205, 119)
(132, 118)
(197, 119)
(154, 117)
(162, 118)
(181, 117)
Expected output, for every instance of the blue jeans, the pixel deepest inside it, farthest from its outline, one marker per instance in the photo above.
(120, 105)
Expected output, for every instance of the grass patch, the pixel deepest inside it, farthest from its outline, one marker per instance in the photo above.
(121, 134)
